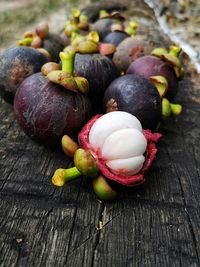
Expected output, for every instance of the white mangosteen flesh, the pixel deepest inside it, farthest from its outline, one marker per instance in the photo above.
(128, 166)
(108, 124)
(119, 139)
(123, 144)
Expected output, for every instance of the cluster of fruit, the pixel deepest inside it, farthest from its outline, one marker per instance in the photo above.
(59, 83)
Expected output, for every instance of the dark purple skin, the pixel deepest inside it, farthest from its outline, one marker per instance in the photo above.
(54, 45)
(15, 65)
(100, 71)
(136, 95)
(115, 37)
(128, 50)
(148, 66)
(103, 26)
(46, 111)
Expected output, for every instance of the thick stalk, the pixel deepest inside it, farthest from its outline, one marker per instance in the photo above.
(62, 176)
(67, 59)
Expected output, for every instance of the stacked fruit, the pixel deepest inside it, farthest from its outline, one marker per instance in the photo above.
(61, 83)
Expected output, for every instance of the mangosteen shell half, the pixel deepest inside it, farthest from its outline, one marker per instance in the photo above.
(47, 111)
(136, 95)
(100, 71)
(15, 65)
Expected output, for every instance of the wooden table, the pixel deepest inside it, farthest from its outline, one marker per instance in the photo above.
(157, 224)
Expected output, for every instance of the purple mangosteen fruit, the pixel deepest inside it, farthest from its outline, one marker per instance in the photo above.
(148, 66)
(48, 107)
(16, 64)
(134, 47)
(136, 95)
(100, 71)
(105, 25)
(115, 37)
(41, 39)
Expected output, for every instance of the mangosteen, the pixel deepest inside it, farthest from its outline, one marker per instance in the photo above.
(115, 145)
(92, 10)
(100, 71)
(48, 107)
(54, 45)
(148, 66)
(115, 37)
(41, 38)
(15, 65)
(132, 48)
(104, 26)
(136, 95)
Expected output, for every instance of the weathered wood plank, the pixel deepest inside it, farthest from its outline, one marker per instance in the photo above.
(157, 224)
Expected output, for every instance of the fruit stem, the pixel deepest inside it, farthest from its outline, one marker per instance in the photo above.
(67, 59)
(62, 176)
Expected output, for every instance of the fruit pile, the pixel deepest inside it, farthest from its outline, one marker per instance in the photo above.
(100, 88)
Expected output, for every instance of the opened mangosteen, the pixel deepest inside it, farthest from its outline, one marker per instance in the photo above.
(48, 43)
(136, 95)
(115, 148)
(148, 66)
(52, 104)
(100, 71)
(16, 64)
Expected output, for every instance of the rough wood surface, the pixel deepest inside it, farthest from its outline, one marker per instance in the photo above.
(157, 224)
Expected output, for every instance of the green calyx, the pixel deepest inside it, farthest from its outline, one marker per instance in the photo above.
(169, 109)
(65, 76)
(48, 67)
(102, 189)
(157, 52)
(85, 163)
(84, 44)
(35, 38)
(171, 57)
(131, 29)
(175, 50)
(25, 41)
(69, 147)
(62, 176)
(103, 13)
(161, 84)
(77, 23)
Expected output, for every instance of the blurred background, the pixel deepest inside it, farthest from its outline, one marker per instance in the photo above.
(180, 19)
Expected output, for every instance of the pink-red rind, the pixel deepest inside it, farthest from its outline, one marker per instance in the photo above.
(133, 180)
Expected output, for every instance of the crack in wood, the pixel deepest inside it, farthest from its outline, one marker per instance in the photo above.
(98, 235)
